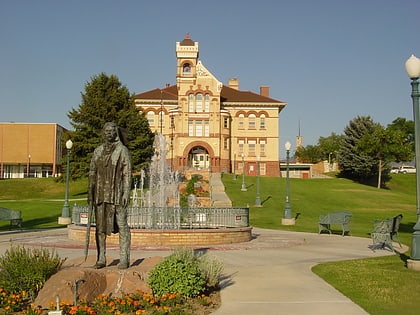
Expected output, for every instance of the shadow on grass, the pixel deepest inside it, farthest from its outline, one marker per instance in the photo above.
(265, 200)
(36, 223)
(404, 258)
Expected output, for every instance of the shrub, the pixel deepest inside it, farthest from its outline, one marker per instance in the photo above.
(212, 269)
(184, 273)
(27, 270)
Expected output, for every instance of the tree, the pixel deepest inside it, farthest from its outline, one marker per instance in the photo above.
(394, 143)
(321, 151)
(105, 99)
(330, 145)
(355, 164)
(309, 154)
(406, 127)
(386, 145)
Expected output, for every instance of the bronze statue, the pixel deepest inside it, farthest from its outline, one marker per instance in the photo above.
(109, 194)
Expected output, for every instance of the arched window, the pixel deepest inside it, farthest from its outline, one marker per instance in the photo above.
(251, 121)
(241, 121)
(186, 68)
(199, 102)
(151, 118)
(262, 121)
(207, 103)
(191, 103)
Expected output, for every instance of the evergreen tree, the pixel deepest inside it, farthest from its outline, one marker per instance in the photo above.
(355, 164)
(105, 99)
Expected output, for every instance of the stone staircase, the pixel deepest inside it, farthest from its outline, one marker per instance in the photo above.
(218, 196)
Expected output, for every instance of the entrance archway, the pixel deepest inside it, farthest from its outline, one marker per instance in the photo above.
(199, 158)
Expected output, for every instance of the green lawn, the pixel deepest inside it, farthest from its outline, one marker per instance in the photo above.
(388, 287)
(380, 285)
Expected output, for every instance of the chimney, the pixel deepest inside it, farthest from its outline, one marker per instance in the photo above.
(265, 90)
(234, 83)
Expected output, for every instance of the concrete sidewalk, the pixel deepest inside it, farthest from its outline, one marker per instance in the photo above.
(269, 275)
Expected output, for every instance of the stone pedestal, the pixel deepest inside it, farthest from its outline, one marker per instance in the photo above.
(291, 221)
(413, 264)
(64, 220)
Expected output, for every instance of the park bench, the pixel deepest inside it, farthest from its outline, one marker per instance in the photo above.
(340, 217)
(385, 232)
(14, 216)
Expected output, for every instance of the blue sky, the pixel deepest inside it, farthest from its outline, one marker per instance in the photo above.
(330, 60)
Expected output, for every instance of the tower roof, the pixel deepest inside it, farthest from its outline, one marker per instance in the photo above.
(187, 41)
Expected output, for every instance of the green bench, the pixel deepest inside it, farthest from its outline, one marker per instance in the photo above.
(340, 217)
(14, 216)
(385, 232)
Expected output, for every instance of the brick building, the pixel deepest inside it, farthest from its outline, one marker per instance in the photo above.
(30, 150)
(209, 125)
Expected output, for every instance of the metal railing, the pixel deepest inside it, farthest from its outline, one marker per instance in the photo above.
(155, 218)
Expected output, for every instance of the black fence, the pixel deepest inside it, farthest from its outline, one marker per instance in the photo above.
(155, 218)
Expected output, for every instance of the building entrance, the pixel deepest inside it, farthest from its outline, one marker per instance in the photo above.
(199, 158)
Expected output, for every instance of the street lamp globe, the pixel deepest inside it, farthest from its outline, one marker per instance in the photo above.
(69, 144)
(412, 66)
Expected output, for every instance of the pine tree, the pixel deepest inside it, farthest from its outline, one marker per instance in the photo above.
(106, 99)
(355, 164)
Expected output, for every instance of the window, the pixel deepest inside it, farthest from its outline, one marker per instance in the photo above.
(161, 122)
(241, 121)
(199, 128)
(226, 143)
(151, 118)
(226, 122)
(262, 121)
(190, 128)
(251, 147)
(191, 103)
(241, 146)
(207, 103)
(263, 170)
(262, 147)
(199, 103)
(186, 68)
(251, 121)
(206, 128)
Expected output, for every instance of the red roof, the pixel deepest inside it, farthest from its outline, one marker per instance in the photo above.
(227, 95)
(187, 41)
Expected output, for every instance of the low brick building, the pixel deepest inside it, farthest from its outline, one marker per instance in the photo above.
(30, 150)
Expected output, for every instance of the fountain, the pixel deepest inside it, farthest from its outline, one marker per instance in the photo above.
(163, 182)
(157, 219)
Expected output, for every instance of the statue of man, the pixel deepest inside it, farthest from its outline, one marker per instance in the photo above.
(109, 194)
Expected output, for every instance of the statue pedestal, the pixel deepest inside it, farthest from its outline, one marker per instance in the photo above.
(413, 264)
(64, 220)
(291, 221)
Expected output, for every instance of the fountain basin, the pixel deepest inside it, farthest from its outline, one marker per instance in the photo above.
(170, 237)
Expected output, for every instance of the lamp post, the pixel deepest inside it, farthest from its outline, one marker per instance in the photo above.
(287, 216)
(65, 212)
(412, 66)
(234, 165)
(28, 166)
(257, 198)
(243, 187)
